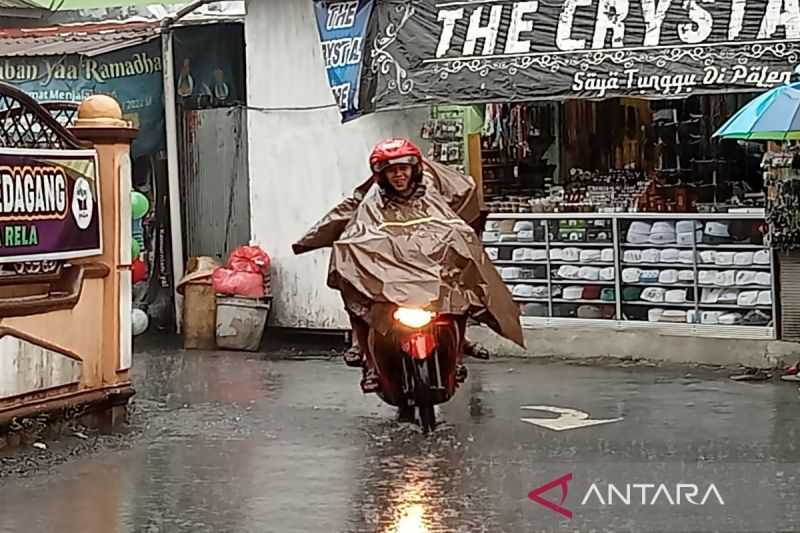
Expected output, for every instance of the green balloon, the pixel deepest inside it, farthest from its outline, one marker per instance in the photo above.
(139, 205)
(135, 249)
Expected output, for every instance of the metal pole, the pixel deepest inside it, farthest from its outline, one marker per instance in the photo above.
(171, 122)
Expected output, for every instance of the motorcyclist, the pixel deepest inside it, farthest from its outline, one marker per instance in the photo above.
(397, 167)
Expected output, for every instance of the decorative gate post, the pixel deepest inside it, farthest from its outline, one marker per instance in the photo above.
(65, 261)
(100, 122)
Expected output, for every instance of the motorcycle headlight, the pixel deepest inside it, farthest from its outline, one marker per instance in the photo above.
(413, 318)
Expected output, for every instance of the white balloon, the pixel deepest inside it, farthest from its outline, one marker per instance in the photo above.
(140, 321)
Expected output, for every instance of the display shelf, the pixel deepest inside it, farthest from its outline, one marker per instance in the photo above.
(521, 244)
(567, 301)
(581, 282)
(579, 263)
(503, 262)
(581, 244)
(654, 305)
(690, 266)
(617, 224)
(743, 247)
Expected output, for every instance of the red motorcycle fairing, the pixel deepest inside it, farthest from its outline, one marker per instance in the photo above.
(440, 343)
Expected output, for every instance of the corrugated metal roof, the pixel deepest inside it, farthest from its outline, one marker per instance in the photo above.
(82, 39)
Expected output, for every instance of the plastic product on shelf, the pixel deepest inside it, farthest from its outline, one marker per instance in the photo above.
(726, 278)
(508, 237)
(662, 233)
(556, 254)
(724, 258)
(568, 272)
(631, 275)
(675, 316)
(670, 255)
(539, 272)
(632, 294)
(716, 233)
(730, 319)
(632, 256)
(589, 273)
(746, 277)
(591, 292)
(688, 239)
(651, 255)
(729, 296)
(668, 276)
(675, 296)
(491, 236)
(747, 298)
(654, 314)
(653, 294)
(590, 256)
(761, 257)
(743, 258)
(525, 236)
(607, 255)
(492, 253)
(570, 254)
(607, 274)
(639, 232)
(492, 225)
(510, 273)
(687, 257)
(765, 298)
(710, 296)
(755, 317)
(523, 225)
(707, 277)
(608, 294)
(688, 226)
(708, 257)
(573, 292)
(648, 276)
(763, 278)
(530, 291)
(686, 275)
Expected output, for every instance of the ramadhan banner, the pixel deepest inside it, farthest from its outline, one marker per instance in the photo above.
(421, 52)
(49, 205)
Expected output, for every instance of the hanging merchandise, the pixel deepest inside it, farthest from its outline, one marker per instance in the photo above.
(445, 130)
(782, 180)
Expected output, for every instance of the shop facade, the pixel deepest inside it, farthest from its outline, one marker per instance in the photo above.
(589, 128)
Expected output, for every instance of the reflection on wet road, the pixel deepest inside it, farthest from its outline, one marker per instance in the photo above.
(234, 444)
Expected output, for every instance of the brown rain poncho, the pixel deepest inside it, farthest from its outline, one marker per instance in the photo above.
(416, 252)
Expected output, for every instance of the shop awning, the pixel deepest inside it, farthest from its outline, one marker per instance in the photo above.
(81, 39)
(466, 51)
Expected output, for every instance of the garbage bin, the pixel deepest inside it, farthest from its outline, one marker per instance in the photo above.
(241, 322)
(199, 305)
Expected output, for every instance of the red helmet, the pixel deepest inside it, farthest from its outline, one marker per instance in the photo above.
(394, 152)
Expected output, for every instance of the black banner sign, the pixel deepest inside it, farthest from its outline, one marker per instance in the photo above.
(423, 52)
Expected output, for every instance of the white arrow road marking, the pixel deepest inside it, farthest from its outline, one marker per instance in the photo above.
(567, 419)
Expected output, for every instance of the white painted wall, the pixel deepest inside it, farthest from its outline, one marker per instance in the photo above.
(301, 162)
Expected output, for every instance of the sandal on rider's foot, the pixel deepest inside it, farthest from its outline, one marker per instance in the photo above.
(353, 358)
(370, 383)
(461, 374)
(478, 352)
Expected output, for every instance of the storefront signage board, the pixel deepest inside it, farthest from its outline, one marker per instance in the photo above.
(423, 52)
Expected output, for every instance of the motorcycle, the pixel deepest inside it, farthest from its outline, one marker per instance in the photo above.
(416, 362)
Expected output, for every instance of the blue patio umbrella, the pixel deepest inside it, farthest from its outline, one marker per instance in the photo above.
(771, 116)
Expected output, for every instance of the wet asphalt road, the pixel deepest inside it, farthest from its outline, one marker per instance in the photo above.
(236, 443)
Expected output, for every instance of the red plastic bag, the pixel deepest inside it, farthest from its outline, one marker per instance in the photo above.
(249, 259)
(230, 282)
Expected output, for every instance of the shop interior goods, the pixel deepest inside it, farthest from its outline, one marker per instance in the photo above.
(782, 179)
(445, 131)
(715, 270)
